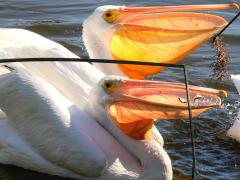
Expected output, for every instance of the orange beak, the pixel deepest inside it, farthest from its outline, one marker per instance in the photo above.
(165, 34)
(137, 104)
(202, 7)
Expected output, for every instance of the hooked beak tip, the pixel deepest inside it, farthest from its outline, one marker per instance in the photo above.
(235, 5)
(224, 93)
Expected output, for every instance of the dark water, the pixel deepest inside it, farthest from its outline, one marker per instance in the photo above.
(218, 157)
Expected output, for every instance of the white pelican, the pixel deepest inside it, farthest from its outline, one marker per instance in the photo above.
(233, 132)
(165, 34)
(109, 138)
(157, 34)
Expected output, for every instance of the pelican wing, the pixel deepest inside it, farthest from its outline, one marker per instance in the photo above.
(50, 124)
(67, 77)
(15, 151)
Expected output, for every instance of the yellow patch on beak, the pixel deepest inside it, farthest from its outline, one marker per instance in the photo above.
(136, 129)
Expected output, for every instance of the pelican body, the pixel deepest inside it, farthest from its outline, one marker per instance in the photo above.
(43, 131)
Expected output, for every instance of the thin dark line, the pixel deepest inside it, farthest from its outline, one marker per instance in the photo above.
(191, 125)
(233, 19)
(90, 60)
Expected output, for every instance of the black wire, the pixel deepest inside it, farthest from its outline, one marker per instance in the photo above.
(191, 124)
(233, 19)
(90, 60)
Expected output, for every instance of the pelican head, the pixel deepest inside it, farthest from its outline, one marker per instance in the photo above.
(165, 34)
(127, 110)
(133, 105)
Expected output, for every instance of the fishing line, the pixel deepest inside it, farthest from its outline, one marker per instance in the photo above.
(191, 124)
(107, 61)
(227, 26)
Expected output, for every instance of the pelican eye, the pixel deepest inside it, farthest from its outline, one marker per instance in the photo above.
(111, 15)
(108, 86)
(108, 14)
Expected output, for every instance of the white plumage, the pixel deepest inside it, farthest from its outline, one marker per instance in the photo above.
(94, 29)
(51, 126)
(65, 76)
(46, 132)
(58, 138)
(234, 131)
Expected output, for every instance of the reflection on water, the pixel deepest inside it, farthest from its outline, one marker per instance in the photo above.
(218, 157)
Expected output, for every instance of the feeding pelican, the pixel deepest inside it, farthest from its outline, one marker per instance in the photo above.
(165, 34)
(109, 138)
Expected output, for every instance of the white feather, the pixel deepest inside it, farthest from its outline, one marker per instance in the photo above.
(67, 77)
(97, 36)
(234, 131)
(56, 137)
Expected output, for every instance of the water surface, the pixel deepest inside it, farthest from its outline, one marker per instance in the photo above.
(218, 157)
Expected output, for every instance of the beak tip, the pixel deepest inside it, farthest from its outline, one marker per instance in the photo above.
(224, 93)
(235, 5)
